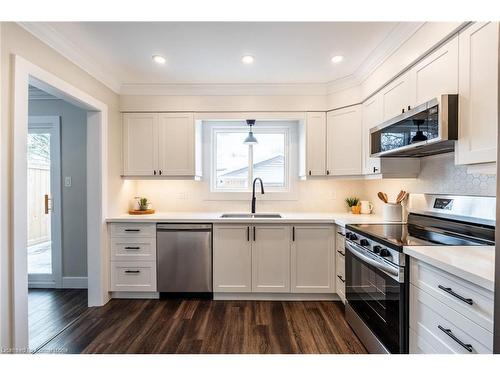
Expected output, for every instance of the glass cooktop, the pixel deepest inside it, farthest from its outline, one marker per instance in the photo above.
(399, 235)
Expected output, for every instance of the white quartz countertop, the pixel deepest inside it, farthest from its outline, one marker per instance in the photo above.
(472, 263)
(339, 218)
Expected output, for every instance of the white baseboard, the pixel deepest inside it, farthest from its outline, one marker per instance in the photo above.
(69, 282)
(135, 295)
(277, 296)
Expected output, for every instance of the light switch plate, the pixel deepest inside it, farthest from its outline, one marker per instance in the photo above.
(67, 181)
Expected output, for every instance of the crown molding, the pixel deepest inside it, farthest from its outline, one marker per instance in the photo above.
(243, 89)
(398, 35)
(61, 44)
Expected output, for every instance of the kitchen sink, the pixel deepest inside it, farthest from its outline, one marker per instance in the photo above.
(250, 216)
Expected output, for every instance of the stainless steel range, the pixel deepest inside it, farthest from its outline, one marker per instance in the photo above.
(377, 282)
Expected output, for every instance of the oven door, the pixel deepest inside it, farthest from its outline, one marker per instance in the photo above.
(376, 292)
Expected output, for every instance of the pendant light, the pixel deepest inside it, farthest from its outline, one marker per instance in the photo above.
(250, 139)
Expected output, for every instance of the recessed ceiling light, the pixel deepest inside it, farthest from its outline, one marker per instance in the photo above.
(247, 59)
(337, 59)
(159, 59)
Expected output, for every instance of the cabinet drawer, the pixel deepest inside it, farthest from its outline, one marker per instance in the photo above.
(429, 318)
(429, 279)
(133, 276)
(133, 230)
(340, 265)
(133, 249)
(419, 345)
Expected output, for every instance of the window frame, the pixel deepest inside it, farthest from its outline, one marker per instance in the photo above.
(263, 129)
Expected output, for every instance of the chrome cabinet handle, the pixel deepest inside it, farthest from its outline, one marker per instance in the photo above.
(450, 334)
(293, 234)
(132, 271)
(248, 234)
(341, 278)
(132, 230)
(468, 301)
(310, 173)
(254, 233)
(342, 234)
(341, 253)
(132, 248)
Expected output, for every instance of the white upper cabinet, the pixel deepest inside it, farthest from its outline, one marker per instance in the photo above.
(316, 144)
(313, 259)
(162, 144)
(176, 137)
(271, 258)
(436, 74)
(344, 130)
(395, 97)
(478, 94)
(140, 148)
(372, 116)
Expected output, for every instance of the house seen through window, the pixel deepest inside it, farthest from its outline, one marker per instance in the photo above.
(236, 164)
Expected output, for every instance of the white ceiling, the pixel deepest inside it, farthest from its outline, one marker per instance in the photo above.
(119, 53)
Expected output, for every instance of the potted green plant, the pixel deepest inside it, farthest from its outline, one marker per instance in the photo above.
(143, 204)
(353, 204)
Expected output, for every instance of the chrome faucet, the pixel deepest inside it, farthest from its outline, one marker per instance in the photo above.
(253, 192)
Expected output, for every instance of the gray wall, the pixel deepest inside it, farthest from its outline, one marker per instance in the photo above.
(74, 198)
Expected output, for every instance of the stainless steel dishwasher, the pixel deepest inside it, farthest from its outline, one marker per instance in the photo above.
(184, 258)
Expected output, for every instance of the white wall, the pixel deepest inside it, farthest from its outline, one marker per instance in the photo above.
(16, 40)
(74, 198)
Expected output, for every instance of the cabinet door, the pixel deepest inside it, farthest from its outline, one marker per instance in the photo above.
(271, 258)
(344, 128)
(313, 260)
(372, 116)
(176, 144)
(436, 74)
(316, 144)
(140, 148)
(395, 97)
(478, 94)
(232, 259)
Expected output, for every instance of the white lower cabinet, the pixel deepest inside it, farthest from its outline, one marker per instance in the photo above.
(232, 258)
(340, 261)
(274, 258)
(132, 257)
(448, 314)
(271, 258)
(313, 260)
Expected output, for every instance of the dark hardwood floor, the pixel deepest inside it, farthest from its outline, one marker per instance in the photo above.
(50, 310)
(202, 326)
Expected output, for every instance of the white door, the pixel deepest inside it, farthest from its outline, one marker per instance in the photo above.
(344, 128)
(176, 148)
(316, 144)
(271, 258)
(435, 75)
(232, 258)
(313, 260)
(44, 202)
(372, 116)
(396, 97)
(478, 94)
(140, 144)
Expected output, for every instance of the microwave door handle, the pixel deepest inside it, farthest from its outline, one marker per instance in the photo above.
(392, 272)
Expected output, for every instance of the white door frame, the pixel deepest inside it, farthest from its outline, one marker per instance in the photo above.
(51, 124)
(26, 73)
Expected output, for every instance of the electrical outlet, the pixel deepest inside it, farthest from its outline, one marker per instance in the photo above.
(67, 181)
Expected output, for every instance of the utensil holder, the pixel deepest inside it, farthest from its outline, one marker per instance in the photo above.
(392, 212)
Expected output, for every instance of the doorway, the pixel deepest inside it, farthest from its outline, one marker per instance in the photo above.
(44, 202)
(25, 74)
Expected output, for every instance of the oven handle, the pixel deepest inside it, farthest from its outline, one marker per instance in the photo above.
(392, 271)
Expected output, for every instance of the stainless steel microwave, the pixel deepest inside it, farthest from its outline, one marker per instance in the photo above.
(429, 129)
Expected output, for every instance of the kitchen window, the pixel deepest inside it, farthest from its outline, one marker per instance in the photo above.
(234, 165)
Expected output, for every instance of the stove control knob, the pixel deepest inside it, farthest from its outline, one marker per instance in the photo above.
(384, 252)
(353, 237)
(364, 242)
(377, 248)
